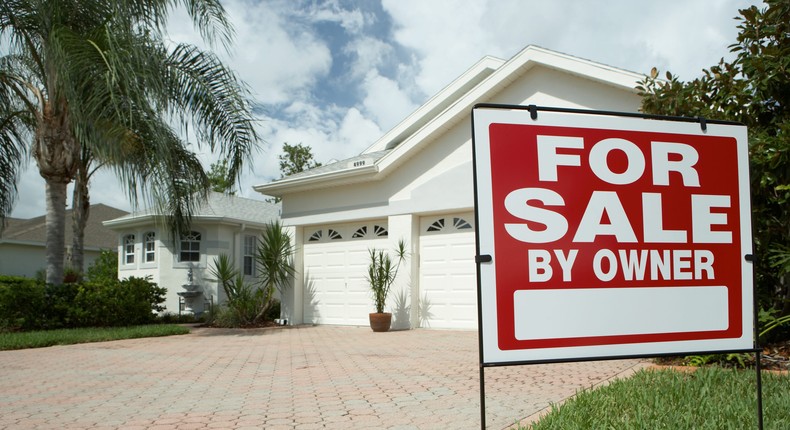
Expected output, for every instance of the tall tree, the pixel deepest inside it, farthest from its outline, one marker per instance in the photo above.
(753, 89)
(218, 178)
(296, 158)
(98, 75)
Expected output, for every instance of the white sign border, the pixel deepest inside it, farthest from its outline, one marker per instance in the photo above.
(482, 118)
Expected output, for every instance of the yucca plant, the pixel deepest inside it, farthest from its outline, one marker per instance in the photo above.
(382, 272)
(241, 308)
(274, 262)
(228, 276)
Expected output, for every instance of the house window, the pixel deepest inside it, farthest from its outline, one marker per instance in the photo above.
(437, 225)
(128, 249)
(150, 247)
(190, 247)
(361, 232)
(461, 224)
(249, 255)
(380, 231)
(316, 237)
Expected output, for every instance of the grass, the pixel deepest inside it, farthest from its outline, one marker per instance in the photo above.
(44, 338)
(710, 398)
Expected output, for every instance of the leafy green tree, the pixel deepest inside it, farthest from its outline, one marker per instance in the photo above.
(97, 75)
(104, 269)
(218, 178)
(296, 158)
(753, 89)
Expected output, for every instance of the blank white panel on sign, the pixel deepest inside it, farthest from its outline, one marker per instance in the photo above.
(579, 312)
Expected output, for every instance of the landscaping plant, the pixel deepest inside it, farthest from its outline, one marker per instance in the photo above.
(240, 307)
(753, 89)
(274, 263)
(246, 304)
(382, 272)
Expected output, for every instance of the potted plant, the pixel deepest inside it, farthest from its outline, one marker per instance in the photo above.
(382, 271)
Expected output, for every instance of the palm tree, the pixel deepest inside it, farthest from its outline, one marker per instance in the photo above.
(97, 75)
(274, 262)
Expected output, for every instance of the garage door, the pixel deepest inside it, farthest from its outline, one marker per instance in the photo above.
(448, 282)
(335, 262)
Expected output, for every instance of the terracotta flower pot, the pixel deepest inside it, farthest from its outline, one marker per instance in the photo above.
(380, 321)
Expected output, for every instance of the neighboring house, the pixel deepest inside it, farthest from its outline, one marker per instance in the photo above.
(222, 225)
(23, 248)
(416, 183)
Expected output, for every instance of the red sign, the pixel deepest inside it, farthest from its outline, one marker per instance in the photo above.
(620, 231)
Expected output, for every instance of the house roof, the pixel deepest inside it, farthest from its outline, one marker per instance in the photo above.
(219, 208)
(450, 106)
(34, 230)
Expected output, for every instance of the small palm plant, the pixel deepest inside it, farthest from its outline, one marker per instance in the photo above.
(241, 305)
(274, 263)
(246, 303)
(382, 272)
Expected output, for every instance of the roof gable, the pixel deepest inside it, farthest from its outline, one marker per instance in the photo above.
(450, 106)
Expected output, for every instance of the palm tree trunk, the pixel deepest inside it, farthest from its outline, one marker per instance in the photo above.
(80, 212)
(56, 152)
(56, 229)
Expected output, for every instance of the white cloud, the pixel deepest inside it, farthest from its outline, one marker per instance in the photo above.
(385, 100)
(358, 132)
(370, 53)
(278, 58)
(352, 21)
(447, 37)
(283, 52)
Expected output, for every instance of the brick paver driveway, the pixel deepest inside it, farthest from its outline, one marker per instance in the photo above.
(304, 378)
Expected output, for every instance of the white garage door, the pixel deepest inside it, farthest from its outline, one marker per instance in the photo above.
(448, 281)
(335, 263)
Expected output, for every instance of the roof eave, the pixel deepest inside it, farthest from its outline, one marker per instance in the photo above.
(321, 180)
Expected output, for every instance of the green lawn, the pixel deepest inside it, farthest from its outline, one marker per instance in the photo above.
(40, 339)
(710, 398)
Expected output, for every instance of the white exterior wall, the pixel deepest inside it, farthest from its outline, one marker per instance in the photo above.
(543, 86)
(435, 180)
(170, 273)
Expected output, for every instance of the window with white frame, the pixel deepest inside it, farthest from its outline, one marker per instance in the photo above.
(249, 255)
(128, 249)
(149, 247)
(190, 247)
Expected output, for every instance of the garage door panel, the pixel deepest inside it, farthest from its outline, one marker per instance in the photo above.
(338, 264)
(448, 281)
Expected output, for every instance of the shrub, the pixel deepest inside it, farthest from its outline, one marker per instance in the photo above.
(59, 306)
(104, 268)
(273, 312)
(27, 304)
(22, 303)
(119, 303)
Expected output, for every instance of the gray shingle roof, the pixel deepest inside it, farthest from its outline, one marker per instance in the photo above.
(96, 234)
(219, 205)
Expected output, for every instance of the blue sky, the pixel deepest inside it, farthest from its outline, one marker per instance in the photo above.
(337, 74)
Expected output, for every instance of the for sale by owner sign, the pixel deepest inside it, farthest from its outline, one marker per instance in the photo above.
(610, 235)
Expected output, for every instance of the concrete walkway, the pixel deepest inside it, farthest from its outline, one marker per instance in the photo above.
(282, 378)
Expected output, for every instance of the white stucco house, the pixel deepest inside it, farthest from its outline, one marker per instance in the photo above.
(415, 183)
(224, 224)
